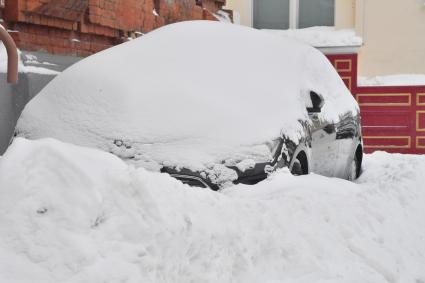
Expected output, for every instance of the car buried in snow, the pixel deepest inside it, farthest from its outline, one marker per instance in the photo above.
(209, 103)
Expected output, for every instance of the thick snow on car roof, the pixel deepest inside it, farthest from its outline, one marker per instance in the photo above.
(189, 94)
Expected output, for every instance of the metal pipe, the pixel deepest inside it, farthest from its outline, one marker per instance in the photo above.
(12, 56)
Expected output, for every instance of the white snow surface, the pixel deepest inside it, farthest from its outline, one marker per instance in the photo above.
(393, 80)
(74, 214)
(190, 94)
(321, 36)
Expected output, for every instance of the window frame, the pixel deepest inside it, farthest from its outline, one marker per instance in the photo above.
(294, 11)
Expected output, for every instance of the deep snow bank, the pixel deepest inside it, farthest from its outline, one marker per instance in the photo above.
(72, 214)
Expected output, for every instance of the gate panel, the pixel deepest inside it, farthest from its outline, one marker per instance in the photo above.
(393, 118)
(346, 66)
(385, 122)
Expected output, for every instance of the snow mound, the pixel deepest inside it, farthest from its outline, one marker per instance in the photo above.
(73, 214)
(190, 94)
(321, 36)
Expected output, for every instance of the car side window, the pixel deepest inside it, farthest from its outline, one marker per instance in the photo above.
(317, 102)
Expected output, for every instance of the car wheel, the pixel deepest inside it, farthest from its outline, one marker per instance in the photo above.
(297, 168)
(353, 169)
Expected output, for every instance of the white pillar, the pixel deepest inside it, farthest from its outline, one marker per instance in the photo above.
(293, 13)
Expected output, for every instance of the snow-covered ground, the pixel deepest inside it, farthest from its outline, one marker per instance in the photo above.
(73, 214)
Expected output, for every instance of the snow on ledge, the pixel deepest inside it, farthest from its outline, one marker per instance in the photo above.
(393, 80)
(322, 36)
(22, 68)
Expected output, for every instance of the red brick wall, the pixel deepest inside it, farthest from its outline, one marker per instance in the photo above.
(184, 10)
(83, 27)
(124, 15)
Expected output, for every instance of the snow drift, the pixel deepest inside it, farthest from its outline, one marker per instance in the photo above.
(73, 214)
(190, 94)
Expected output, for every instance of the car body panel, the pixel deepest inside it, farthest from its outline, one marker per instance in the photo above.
(329, 146)
(163, 112)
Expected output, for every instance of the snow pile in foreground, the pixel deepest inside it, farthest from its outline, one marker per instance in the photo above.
(393, 80)
(190, 94)
(72, 214)
(321, 36)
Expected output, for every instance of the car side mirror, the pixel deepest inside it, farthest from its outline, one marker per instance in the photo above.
(317, 102)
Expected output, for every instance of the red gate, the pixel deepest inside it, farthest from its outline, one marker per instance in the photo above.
(393, 118)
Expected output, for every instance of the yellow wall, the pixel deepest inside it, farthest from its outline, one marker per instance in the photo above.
(344, 14)
(394, 37)
(393, 32)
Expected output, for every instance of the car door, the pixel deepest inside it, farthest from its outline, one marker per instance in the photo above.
(324, 145)
(347, 138)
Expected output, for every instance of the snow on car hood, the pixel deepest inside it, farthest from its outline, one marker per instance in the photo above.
(190, 94)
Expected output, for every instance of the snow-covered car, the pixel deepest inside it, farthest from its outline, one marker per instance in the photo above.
(209, 103)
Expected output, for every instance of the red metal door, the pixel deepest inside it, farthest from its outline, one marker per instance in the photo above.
(393, 118)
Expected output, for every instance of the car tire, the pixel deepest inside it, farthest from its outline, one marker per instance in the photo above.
(297, 168)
